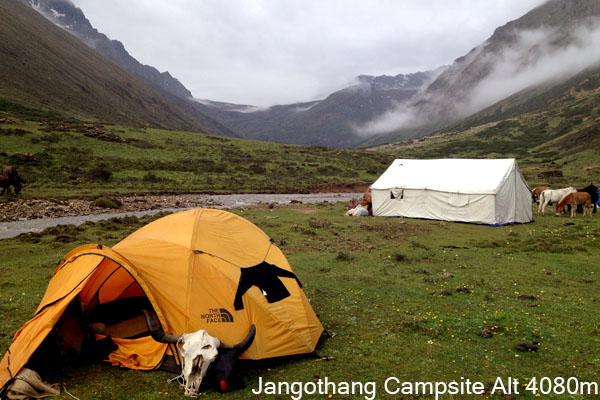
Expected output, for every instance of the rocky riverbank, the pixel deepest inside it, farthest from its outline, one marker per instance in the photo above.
(21, 210)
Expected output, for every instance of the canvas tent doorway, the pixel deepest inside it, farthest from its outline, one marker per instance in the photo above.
(197, 269)
(482, 191)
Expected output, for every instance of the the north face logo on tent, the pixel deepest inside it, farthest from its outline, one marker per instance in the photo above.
(216, 315)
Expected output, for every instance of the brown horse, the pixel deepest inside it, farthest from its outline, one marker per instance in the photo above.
(535, 193)
(574, 199)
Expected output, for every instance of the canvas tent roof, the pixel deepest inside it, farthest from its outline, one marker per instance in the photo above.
(472, 176)
(197, 269)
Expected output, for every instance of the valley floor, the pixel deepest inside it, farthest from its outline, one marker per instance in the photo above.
(417, 300)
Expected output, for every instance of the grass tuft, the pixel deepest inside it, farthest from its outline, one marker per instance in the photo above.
(106, 202)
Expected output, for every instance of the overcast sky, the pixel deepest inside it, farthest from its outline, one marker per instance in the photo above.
(266, 52)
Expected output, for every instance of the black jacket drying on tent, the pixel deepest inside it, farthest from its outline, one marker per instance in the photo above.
(266, 277)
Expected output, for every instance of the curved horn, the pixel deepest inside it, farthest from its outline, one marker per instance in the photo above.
(244, 344)
(157, 333)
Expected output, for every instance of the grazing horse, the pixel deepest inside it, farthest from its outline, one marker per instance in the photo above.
(535, 193)
(9, 176)
(574, 199)
(554, 196)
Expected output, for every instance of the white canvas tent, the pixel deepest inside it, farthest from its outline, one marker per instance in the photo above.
(484, 191)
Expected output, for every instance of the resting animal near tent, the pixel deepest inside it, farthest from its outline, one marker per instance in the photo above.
(482, 191)
(196, 269)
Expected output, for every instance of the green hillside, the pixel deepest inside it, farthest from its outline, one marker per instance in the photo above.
(74, 159)
(48, 73)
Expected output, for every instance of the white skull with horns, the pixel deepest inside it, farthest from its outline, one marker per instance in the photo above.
(198, 350)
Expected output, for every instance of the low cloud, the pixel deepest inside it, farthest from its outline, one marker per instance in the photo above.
(301, 109)
(532, 58)
(402, 117)
(515, 70)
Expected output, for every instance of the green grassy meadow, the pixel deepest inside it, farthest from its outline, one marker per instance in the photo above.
(73, 159)
(418, 300)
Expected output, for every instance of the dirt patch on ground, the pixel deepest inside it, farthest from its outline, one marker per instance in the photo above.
(490, 331)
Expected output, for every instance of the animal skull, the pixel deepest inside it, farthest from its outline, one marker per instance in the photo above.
(199, 350)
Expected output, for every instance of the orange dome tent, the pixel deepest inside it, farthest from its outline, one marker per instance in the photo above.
(196, 269)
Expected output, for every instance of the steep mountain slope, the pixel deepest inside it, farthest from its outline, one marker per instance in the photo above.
(328, 122)
(66, 15)
(558, 19)
(577, 96)
(46, 71)
(544, 47)
(553, 130)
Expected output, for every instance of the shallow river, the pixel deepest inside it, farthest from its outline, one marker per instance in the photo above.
(15, 228)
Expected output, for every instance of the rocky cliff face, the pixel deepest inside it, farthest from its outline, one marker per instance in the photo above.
(415, 81)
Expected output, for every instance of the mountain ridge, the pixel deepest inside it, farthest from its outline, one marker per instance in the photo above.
(48, 72)
(66, 15)
(328, 122)
(433, 100)
(552, 129)
(510, 55)
(72, 19)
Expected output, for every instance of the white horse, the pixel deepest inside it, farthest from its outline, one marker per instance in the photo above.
(554, 196)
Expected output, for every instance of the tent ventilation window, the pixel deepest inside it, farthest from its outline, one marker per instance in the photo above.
(397, 194)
